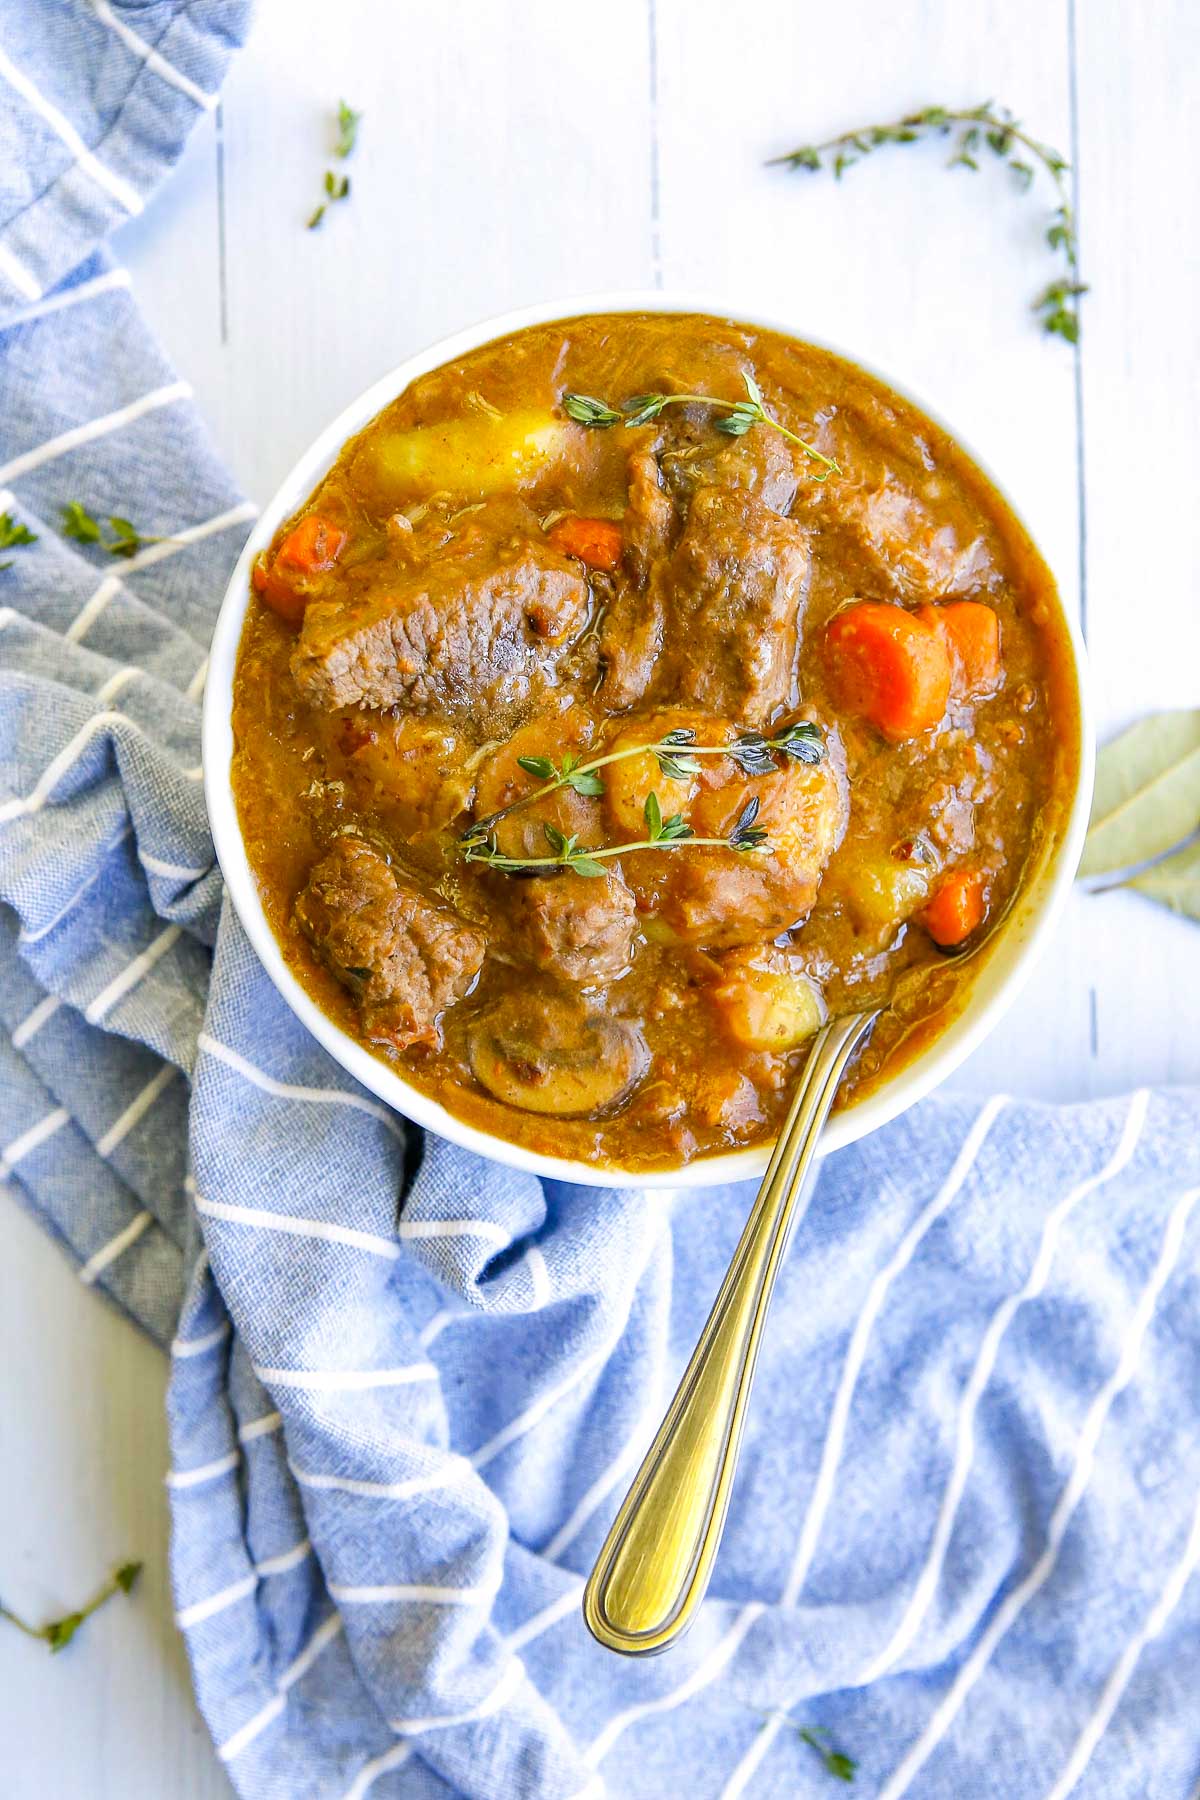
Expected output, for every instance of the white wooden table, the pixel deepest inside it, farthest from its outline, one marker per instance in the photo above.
(518, 149)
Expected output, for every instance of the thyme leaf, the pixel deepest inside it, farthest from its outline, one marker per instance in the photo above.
(124, 539)
(971, 128)
(57, 1633)
(737, 416)
(12, 535)
(348, 122)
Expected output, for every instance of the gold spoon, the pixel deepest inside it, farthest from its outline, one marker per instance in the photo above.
(653, 1571)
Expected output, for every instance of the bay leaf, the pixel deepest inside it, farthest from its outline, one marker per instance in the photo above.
(1147, 793)
(1174, 882)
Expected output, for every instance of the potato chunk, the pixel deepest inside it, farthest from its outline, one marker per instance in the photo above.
(766, 1001)
(472, 456)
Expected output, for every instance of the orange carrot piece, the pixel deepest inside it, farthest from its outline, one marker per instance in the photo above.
(889, 667)
(310, 548)
(972, 633)
(312, 545)
(596, 542)
(958, 908)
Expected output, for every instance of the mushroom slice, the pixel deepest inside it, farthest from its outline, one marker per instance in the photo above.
(551, 1054)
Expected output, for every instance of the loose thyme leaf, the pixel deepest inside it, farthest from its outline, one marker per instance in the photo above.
(79, 524)
(12, 534)
(653, 816)
(1005, 135)
(315, 217)
(337, 186)
(837, 1763)
(348, 123)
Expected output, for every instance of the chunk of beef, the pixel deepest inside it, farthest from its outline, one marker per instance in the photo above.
(649, 520)
(909, 552)
(404, 958)
(736, 584)
(631, 642)
(579, 927)
(762, 463)
(473, 627)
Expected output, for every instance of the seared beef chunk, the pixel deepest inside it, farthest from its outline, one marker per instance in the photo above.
(580, 927)
(738, 580)
(471, 626)
(721, 614)
(649, 518)
(404, 958)
(908, 551)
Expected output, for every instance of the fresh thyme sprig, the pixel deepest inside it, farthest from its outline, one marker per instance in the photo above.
(59, 1632)
(337, 187)
(661, 834)
(12, 536)
(1057, 306)
(739, 416)
(126, 540)
(675, 753)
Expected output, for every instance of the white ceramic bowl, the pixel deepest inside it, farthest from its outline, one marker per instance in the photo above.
(1002, 972)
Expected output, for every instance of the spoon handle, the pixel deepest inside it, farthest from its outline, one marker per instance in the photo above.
(653, 1571)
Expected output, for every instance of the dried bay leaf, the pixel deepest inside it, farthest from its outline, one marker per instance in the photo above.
(1174, 882)
(1147, 793)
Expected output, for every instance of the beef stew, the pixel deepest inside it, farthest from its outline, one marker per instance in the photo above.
(630, 695)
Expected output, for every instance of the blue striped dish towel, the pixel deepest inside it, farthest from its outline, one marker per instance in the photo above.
(408, 1386)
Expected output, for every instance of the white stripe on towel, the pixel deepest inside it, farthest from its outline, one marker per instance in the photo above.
(153, 59)
(406, 1489)
(22, 278)
(292, 1226)
(204, 1472)
(169, 871)
(122, 191)
(1015, 1602)
(116, 1246)
(985, 1362)
(1127, 1662)
(200, 1610)
(263, 1427)
(706, 1671)
(533, 1414)
(131, 974)
(860, 1339)
(86, 290)
(499, 1697)
(54, 771)
(198, 1346)
(94, 428)
(562, 1608)
(341, 1381)
(29, 1140)
(286, 1090)
(246, 1734)
(137, 1109)
(34, 1020)
(91, 609)
(402, 1592)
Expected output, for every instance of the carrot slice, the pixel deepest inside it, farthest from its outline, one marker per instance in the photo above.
(596, 542)
(958, 908)
(972, 633)
(889, 667)
(311, 547)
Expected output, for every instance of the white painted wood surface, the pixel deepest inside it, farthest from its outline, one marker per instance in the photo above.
(523, 149)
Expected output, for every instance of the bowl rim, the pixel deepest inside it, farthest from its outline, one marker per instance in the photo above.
(1023, 934)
